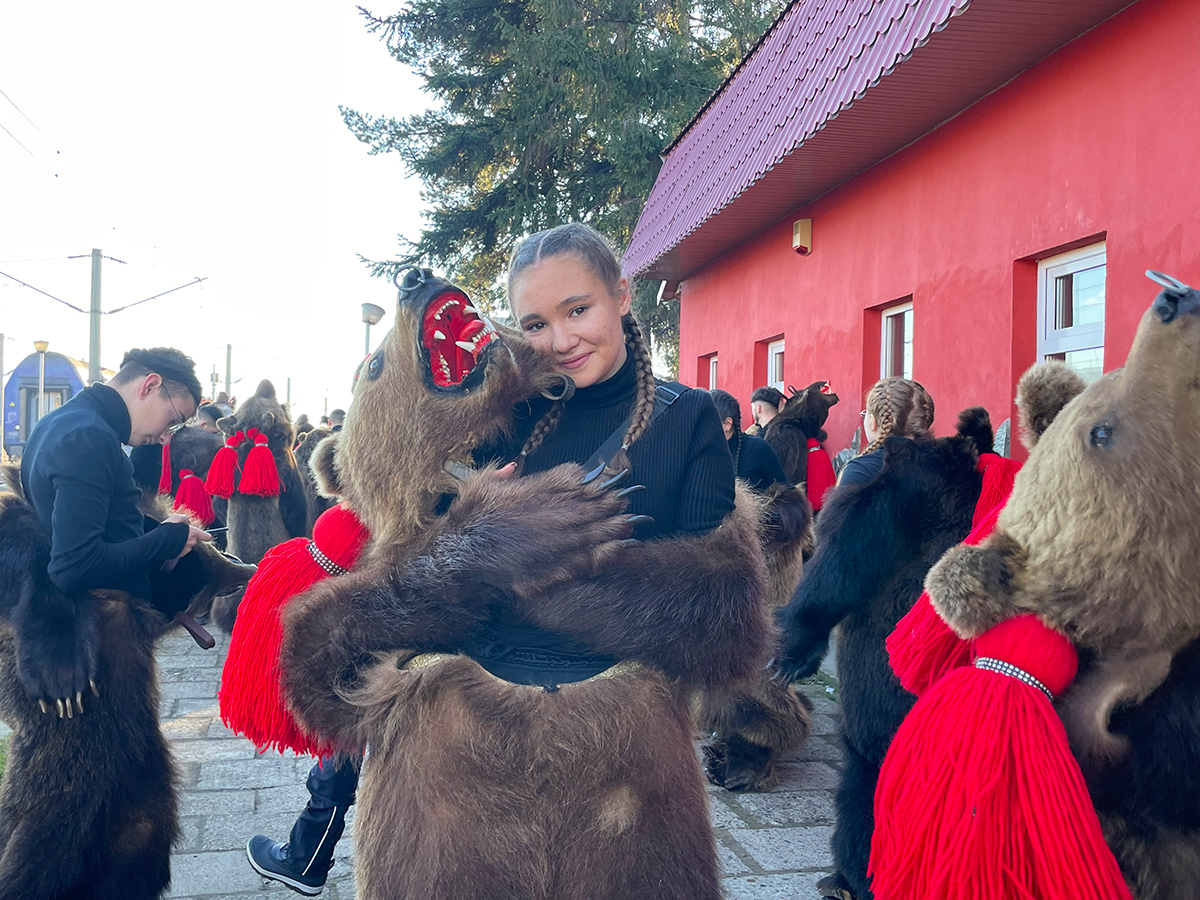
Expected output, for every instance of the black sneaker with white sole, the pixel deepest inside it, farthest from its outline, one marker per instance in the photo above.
(270, 860)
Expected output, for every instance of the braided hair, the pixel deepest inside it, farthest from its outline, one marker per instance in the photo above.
(729, 408)
(595, 252)
(901, 407)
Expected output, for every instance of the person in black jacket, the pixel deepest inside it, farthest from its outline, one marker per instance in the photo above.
(81, 486)
(753, 459)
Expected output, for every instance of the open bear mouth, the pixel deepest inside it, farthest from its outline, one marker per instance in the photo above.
(455, 338)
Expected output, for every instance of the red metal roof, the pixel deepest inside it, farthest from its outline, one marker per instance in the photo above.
(833, 87)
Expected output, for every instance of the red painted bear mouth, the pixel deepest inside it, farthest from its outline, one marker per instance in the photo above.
(455, 337)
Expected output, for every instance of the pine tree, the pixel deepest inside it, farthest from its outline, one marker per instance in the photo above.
(548, 111)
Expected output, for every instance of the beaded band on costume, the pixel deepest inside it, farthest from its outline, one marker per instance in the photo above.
(324, 561)
(1006, 668)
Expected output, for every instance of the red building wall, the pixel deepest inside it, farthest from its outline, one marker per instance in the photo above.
(1101, 141)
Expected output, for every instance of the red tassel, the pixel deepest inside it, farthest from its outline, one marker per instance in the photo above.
(164, 477)
(820, 474)
(259, 475)
(251, 696)
(979, 797)
(192, 497)
(223, 468)
(923, 648)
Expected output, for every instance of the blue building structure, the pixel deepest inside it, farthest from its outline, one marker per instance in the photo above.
(65, 377)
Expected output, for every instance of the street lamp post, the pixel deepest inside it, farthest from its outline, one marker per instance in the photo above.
(371, 316)
(41, 347)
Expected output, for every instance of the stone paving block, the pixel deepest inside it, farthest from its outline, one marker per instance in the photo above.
(205, 803)
(792, 886)
(217, 729)
(283, 798)
(252, 773)
(189, 834)
(231, 832)
(188, 662)
(806, 775)
(787, 808)
(824, 724)
(730, 863)
(823, 748)
(201, 874)
(186, 727)
(723, 811)
(207, 707)
(198, 689)
(202, 750)
(786, 849)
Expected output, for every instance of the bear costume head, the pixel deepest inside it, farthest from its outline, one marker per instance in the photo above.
(470, 376)
(264, 412)
(1099, 537)
(809, 408)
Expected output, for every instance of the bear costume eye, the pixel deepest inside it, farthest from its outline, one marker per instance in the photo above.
(375, 366)
(1101, 435)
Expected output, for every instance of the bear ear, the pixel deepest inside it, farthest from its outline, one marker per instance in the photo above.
(972, 587)
(228, 425)
(321, 464)
(1042, 393)
(268, 419)
(975, 423)
(265, 389)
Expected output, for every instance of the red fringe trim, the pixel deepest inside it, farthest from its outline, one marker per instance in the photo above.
(192, 497)
(251, 695)
(164, 477)
(222, 470)
(979, 796)
(260, 477)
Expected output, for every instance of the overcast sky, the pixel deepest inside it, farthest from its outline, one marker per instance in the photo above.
(201, 140)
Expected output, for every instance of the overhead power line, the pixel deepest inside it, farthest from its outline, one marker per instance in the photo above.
(106, 312)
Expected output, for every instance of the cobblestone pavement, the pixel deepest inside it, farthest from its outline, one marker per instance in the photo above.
(773, 846)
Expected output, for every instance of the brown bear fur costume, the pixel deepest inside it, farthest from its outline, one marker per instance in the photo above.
(88, 807)
(1100, 539)
(315, 502)
(256, 524)
(751, 728)
(475, 787)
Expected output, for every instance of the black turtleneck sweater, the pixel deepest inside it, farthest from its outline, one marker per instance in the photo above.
(757, 461)
(80, 484)
(681, 459)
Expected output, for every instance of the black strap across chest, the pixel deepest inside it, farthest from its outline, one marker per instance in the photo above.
(664, 396)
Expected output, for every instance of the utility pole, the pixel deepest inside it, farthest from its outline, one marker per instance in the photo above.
(289, 396)
(94, 322)
(214, 378)
(228, 369)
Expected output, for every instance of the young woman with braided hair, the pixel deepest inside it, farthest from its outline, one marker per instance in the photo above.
(896, 407)
(608, 662)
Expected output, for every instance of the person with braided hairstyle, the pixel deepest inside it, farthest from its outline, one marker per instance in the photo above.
(898, 507)
(896, 407)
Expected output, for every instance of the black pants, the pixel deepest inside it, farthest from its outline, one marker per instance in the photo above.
(331, 786)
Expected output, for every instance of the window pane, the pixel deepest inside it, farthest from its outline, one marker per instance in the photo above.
(898, 345)
(1089, 364)
(907, 369)
(776, 367)
(1079, 298)
(712, 373)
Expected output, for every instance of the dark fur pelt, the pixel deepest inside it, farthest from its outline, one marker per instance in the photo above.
(802, 418)
(975, 423)
(315, 502)
(1149, 802)
(88, 807)
(750, 725)
(875, 542)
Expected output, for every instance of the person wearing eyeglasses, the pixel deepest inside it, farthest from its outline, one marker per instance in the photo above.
(81, 485)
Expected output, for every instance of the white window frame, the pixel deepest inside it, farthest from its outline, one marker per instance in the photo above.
(712, 372)
(775, 349)
(1051, 340)
(885, 345)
